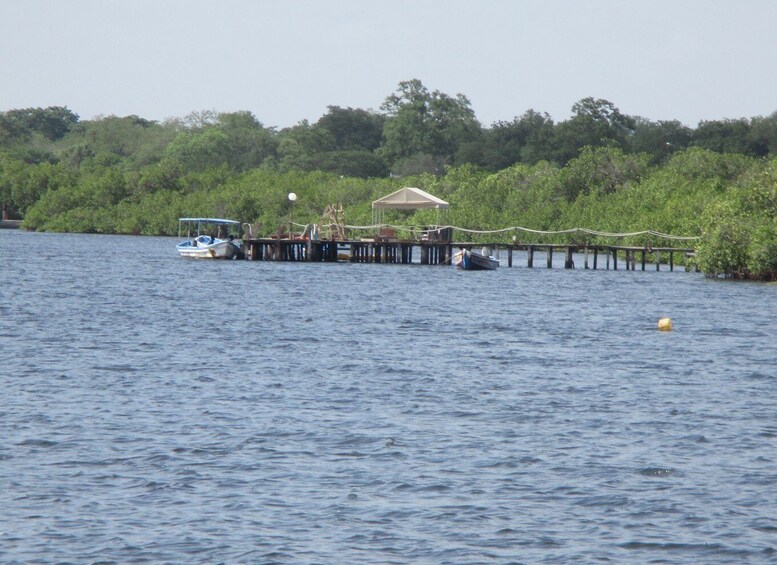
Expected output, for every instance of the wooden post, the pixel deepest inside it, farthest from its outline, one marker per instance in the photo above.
(596, 256)
(615, 259)
(569, 263)
(510, 256)
(658, 260)
(530, 253)
(643, 259)
(671, 261)
(585, 261)
(550, 257)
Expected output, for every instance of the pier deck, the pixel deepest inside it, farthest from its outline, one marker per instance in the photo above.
(441, 253)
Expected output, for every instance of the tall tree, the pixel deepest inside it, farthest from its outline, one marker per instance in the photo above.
(352, 129)
(422, 123)
(763, 135)
(527, 139)
(300, 146)
(724, 136)
(659, 139)
(595, 122)
(52, 122)
(250, 142)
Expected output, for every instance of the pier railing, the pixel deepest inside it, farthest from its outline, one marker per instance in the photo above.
(435, 245)
(371, 250)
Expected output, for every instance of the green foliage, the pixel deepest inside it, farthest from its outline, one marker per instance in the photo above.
(249, 143)
(724, 136)
(52, 123)
(601, 170)
(23, 184)
(527, 139)
(762, 259)
(723, 248)
(352, 130)
(740, 231)
(594, 123)
(418, 164)
(362, 164)
(424, 123)
(134, 142)
(199, 150)
(763, 136)
(659, 139)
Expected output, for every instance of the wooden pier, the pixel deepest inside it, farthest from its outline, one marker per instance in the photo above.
(441, 253)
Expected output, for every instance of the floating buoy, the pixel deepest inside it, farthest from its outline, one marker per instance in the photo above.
(665, 324)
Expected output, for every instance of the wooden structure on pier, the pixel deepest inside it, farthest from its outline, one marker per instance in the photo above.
(432, 252)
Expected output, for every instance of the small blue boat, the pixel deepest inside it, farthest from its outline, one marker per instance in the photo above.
(473, 261)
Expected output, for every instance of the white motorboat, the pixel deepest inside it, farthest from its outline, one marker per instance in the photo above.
(223, 245)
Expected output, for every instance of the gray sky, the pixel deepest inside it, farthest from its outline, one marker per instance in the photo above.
(287, 60)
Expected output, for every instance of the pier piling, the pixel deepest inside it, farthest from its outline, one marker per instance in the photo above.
(441, 253)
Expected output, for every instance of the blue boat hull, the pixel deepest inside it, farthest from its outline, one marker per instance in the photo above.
(474, 261)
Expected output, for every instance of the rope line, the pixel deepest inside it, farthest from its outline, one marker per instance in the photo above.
(588, 231)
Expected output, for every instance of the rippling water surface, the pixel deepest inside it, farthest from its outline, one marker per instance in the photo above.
(160, 409)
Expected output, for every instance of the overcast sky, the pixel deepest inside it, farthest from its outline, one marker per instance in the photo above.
(287, 60)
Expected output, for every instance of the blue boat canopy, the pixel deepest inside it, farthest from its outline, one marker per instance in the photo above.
(209, 220)
(191, 222)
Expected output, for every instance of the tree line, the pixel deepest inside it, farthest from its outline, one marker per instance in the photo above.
(600, 169)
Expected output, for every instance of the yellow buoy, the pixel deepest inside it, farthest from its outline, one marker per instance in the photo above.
(665, 324)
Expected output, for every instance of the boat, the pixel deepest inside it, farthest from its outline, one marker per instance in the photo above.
(473, 261)
(221, 243)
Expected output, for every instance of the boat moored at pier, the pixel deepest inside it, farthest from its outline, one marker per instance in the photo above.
(473, 261)
(222, 243)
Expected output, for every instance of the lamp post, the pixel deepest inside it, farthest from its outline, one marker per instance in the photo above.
(292, 199)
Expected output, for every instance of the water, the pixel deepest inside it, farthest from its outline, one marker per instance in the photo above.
(156, 409)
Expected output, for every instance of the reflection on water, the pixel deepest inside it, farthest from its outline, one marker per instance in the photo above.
(161, 409)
